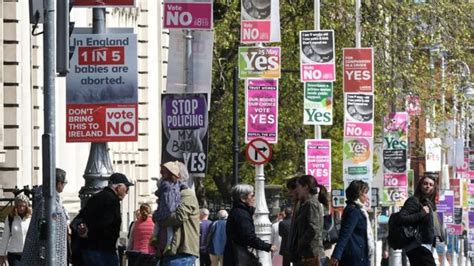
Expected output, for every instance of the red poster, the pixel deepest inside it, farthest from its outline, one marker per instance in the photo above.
(358, 70)
(86, 3)
(455, 186)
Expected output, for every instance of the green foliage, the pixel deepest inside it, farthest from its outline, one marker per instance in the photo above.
(400, 32)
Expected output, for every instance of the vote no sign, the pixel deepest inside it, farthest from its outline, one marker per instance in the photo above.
(101, 88)
(179, 15)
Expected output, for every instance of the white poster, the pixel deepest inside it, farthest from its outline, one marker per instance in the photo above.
(433, 154)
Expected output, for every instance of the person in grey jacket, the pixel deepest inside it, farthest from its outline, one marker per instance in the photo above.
(309, 222)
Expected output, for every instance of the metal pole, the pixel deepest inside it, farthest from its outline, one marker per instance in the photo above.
(263, 226)
(317, 26)
(357, 33)
(235, 128)
(99, 167)
(189, 61)
(48, 138)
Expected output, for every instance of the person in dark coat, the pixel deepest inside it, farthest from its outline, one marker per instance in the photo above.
(240, 229)
(284, 231)
(101, 222)
(356, 244)
(420, 210)
(288, 245)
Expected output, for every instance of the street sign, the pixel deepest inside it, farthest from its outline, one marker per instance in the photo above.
(338, 198)
(188, 15)
(258, 151)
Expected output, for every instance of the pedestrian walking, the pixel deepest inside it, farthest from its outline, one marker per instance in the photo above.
(241, 229)
(355, 245)
(204, 227)
(217, 238)
(309, 222)
(420, 210)
(35, 241)
(14, 232)
(283, 231)
(275, 239)
(140, 237)
(101, 221)
(184, 248)
(288, 230)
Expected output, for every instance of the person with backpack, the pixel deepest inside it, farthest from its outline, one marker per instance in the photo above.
(14, 233)
(216, 239)
(419, 211)
(355, 245)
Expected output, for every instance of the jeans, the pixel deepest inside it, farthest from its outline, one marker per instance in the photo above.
(100, 258)
(178, 260)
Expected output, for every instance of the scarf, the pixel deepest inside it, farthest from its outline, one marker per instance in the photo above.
(370, 236)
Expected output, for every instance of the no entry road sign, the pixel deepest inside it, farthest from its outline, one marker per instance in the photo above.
(258, 151)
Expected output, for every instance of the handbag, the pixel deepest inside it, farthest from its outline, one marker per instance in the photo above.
(330, 230)
(243, 256)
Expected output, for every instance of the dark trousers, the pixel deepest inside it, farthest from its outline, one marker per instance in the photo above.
(421, 256)
(14, 259)
(204, 259)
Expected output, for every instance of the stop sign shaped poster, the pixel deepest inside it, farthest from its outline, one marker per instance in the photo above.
(358, 70)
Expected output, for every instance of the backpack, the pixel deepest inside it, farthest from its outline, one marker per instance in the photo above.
(331, 229)
(400, 236)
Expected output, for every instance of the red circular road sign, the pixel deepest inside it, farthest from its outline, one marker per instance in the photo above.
(258, 151)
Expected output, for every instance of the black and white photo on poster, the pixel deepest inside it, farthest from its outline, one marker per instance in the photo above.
(256, 9)
(185, 132)
(395, 161)
(317, 46)
(359, 107)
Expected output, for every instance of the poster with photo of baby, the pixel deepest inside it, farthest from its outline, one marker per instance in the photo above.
(260, 21)
(359, 115)
(317, 56)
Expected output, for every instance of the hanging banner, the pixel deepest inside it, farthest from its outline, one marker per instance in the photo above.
(359, 115)
(261, 110)
(455, 186)
(318, 98)
(101, 88)
(318, 160)
(185, 131)
(317, 56)
(259, 62)
(358, 69)
(190, 15)
(463, 170)
(260, 21)
(394, 196)
(104, 3)
(413, 106)
(433, 154)
(357, 159)
(445, 206)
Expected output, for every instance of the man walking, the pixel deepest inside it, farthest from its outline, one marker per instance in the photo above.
(101, 222)
(204, 227)
(420, 210)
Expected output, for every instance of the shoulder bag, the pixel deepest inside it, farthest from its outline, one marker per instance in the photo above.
(243, 256)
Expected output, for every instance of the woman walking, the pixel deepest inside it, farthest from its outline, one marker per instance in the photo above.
(356, 243)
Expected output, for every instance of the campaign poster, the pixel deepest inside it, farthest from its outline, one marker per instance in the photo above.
(318, 103)
(185, 132)
(190, 15)
(202, 63)
(445, 206)
(357, 158)
(394, 196)
(395, 143)
(433, 154)
(455, 186)
(359, 107)
(318, 160)
(358, 69)
(317, 56)
(471, 218)
(260, 21)
(101, 88)
(413, 106)
(261, 110)
(104, 3)
(259, 62)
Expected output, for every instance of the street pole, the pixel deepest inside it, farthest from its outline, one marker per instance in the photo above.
(48, 138)
(317, 26)
(235, 127)
(263, 226)
(99, 166)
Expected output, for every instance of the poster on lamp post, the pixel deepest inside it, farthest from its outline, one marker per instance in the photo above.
(261, 110)
(318, 160)
(317, 103)
(104, 3)
(317, 56)
(413, 106)
(187, 14)
(433, 154)
(260, 21)
(357, 159)
(101, 88)
(259, 62)
(185, 134)
(359, 115)
(358, 70)
(445, 206)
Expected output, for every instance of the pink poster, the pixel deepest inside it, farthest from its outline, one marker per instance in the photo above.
(196, 16)
(261, 108)
(395, 180)
(318, 160)
(353, 129)
(317, 56)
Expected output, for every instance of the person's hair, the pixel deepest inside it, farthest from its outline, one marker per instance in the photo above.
(222, 214)
(183, 172)
(291, 183)
(288, 211)
(310, 182)
(145, 211)
(204, 212)
(60, 176)
(323, 196)
(419, 194)
(21, 198)
(355, 189)
(241, 191)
